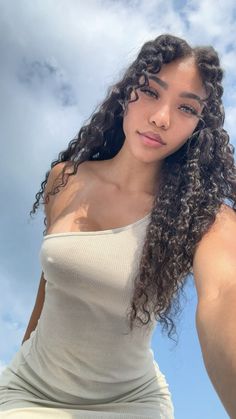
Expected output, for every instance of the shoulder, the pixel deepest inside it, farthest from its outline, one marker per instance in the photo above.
(57, 170)
(54, 178)
(54, 173)
(214, 262)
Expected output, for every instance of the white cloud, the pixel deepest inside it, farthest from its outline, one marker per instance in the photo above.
(13, 316)
(213, 23)
(46, 76)
(230, 120)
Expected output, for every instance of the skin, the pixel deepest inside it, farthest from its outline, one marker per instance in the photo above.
(214, 270)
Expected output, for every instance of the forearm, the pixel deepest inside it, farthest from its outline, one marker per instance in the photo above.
(216, 327)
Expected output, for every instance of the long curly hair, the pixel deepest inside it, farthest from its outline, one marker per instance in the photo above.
(194, 182)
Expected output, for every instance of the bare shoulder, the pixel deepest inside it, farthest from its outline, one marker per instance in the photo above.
(214, 263)
(222, 227)
(53, 175)
(225, 215)
(224, 223)
(82, 176)
(56, 172)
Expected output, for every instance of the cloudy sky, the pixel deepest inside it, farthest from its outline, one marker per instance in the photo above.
(58, 58)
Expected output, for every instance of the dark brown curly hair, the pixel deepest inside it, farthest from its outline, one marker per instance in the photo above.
(195, 180)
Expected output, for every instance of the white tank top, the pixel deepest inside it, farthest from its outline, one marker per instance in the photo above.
(82, 343)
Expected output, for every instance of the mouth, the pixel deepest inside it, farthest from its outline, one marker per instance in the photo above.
(152, 136)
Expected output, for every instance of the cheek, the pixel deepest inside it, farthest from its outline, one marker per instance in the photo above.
(189, 128)
(130, 118)
(127, 123)
(183, 132)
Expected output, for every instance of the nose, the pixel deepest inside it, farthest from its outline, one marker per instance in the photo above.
(161, 118)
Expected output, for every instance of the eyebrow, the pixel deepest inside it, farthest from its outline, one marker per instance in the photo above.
(165, 86)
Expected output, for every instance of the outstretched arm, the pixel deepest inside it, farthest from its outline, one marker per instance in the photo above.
(216, 326)
(214, 271)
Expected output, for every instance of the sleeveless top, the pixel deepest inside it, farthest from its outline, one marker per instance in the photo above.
(82, 344)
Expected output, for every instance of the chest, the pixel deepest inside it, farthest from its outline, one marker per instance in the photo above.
(91, 205)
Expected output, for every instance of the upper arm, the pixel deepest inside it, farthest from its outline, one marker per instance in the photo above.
(214, 263)
(38, 306)
(40, 296)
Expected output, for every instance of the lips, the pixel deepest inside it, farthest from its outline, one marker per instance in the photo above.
(153, 136)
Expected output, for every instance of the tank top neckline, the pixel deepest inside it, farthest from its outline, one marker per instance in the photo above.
(98, 232)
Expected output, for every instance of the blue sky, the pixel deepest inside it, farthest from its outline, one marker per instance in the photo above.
(58, 57)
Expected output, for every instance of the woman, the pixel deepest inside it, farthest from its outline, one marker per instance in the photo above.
(134, 205)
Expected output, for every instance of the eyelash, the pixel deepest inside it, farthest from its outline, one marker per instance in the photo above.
(146, 90)
(188, 109)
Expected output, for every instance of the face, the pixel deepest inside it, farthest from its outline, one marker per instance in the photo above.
(169, 107)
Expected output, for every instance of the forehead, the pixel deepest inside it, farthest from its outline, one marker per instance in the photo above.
(183, 75)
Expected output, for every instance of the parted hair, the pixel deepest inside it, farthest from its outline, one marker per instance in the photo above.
(194, 181)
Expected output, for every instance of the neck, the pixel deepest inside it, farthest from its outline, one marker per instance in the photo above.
(130, 175)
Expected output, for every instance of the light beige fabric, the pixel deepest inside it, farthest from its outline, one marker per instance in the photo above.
(82, 357)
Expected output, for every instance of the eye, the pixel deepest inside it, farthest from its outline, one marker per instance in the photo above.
(190, 110)
(149, 92)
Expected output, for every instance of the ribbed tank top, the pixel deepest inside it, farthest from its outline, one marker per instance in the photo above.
(82, 344)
